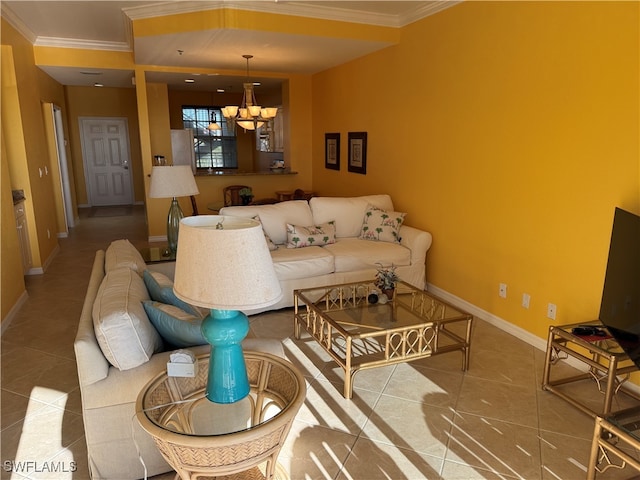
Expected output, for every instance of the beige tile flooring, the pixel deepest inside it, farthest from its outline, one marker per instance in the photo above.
(411, 421)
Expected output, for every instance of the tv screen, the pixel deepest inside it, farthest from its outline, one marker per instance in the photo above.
(620, 305)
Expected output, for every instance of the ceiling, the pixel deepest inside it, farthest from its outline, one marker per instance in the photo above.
(106, 25)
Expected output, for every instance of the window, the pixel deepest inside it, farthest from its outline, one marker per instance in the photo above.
(213, 148)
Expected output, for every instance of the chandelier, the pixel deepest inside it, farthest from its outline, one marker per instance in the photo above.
(249, 115)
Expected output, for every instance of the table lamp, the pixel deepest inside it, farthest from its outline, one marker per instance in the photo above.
(223, 263)
(172, 182)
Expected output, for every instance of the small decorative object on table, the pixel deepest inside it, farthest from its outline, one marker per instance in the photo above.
(386, 278)
(246, 194)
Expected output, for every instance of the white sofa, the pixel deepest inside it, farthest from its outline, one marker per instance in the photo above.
(350, 258)
(109, 393)
(112, 434)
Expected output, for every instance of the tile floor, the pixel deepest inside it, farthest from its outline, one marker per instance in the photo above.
(411, 421)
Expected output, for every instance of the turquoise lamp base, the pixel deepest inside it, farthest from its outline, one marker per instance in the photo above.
(224, 330)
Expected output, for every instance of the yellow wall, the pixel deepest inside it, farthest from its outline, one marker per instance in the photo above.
(27, 154)
(510, 131)
(12, 285)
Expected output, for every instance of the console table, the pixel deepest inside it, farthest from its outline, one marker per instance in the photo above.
(605, 358)
(199, 438)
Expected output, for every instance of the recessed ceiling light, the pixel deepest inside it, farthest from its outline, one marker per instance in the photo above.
(220, 90)
(98, 85)
(256, 84)
(189, 80)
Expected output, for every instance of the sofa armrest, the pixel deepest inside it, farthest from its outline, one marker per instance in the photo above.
(91, 363)
(418, 241)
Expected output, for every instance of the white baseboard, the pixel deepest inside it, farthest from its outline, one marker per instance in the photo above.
(6, 321)
(41, 270)
(519, 333)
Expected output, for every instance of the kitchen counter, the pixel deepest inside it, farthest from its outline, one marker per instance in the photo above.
(219, 173)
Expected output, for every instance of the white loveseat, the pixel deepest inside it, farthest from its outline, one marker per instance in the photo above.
(350, 258)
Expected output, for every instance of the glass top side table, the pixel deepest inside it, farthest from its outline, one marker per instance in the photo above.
(199, 438)
(604, 358)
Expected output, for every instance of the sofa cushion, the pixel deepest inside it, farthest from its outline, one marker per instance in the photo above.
(347, 212)
(381, 225)
(294, 263)
(176, 327)
(272, 246)
(274, 217)
(352, 254)
(318, 235)
(121, 253)
(160, 288)
(123, 330)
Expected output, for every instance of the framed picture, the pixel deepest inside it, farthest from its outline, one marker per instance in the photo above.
(332, 151)
(358, 152)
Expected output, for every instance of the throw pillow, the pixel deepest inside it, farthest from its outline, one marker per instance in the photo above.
(160, 289)
(176, 327)
(319, 235)
(123, 330)
(121, 253)
(272, 246)
(381, 225)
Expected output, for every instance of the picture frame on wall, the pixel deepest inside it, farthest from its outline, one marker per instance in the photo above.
(332, 151)
(357, 152)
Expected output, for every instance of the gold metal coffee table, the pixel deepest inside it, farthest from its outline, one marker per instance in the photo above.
(360, 335)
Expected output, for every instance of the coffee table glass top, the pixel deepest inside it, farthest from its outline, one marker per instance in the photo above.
(360, 334)
(348, 305)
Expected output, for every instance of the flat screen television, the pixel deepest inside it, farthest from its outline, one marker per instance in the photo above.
(620, 305)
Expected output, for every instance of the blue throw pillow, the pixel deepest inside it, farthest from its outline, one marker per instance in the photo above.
(160, 289)
(175, 326)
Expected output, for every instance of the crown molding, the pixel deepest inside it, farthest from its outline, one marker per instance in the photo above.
(16, 23)
(431, 8)
(300, 9)
(81, 43)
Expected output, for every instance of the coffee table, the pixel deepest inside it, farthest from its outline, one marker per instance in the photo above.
(359, 335)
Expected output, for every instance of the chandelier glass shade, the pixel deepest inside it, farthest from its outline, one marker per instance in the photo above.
(249, 115)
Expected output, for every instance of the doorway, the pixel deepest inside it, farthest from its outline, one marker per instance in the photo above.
(106, 157)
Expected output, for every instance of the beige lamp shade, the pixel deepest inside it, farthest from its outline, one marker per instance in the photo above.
(172, 181)
(224, 263)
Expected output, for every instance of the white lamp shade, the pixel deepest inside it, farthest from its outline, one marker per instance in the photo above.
(225, 269)
(175, 181)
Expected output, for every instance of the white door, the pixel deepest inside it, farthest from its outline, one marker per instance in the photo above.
(105, 152)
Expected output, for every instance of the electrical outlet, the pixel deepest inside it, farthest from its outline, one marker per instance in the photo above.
(551, 311)
(502, 291)
(526, 300)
